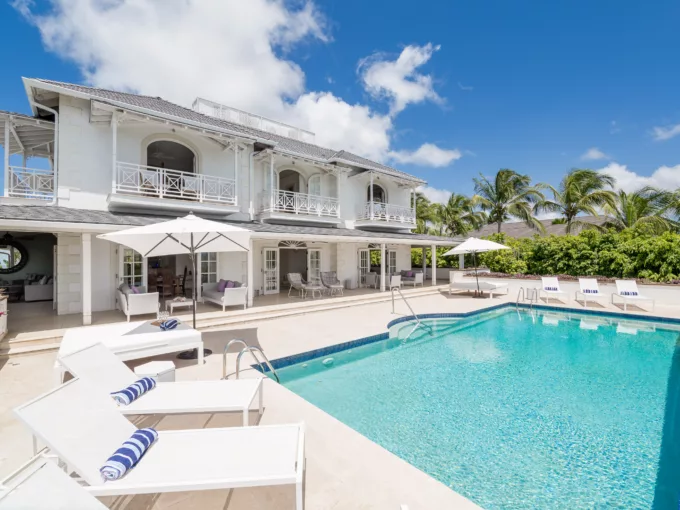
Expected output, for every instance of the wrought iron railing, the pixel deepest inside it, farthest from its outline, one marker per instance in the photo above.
(156, 182)
(30, 183)
(300, 203)
(380, 211)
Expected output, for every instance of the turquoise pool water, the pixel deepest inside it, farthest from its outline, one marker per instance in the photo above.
(548, 411)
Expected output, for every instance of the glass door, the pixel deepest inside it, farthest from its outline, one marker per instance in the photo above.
(270, 270)
(314, 266)
(364, 265)
(391, 262)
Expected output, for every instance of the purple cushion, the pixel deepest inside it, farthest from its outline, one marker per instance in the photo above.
(230, 284)
(410, 274)
(135, 290)
(221, 285)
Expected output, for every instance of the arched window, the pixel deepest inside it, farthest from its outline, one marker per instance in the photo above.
(289, 180)
(379, 194)
(314, 185)
(171, 155)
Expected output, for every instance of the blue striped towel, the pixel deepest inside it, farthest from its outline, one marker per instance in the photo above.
(127, 456)
(169, 324)
(127, 395)
(551, 288)
(629, 293)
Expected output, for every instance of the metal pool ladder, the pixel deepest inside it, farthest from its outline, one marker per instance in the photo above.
(253, 352)
(415, 316)
(521, 297)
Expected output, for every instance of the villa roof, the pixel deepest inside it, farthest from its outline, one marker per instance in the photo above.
(163, 107)
(67, 215)
(520, 229)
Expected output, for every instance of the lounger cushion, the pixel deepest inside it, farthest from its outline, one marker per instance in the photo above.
(128, 455)
(134, 391)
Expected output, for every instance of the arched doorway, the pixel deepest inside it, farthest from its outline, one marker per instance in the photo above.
(170, 155)
(379, 194)
(290, 180)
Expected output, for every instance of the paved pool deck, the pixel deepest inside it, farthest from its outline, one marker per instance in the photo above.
(344, 469)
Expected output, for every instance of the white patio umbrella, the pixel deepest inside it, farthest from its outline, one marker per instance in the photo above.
(188, 235)
(474, 245)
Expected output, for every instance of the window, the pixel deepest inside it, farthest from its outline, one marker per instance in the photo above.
(133, 267)
(392, 262)
(379, 194)
(314, 185)
(208, 267)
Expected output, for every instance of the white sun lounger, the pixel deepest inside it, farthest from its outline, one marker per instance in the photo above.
(130, 340)
(99, 367)
(549, 283)
(82, 427)
(589, 290)
(40, 484)
(627, 291)
(455, 283)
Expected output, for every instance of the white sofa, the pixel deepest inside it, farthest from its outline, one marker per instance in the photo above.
(38, 292)
(137, 304)
(234, 296)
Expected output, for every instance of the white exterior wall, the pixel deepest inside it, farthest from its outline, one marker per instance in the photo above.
(69, 274)
(232, 266)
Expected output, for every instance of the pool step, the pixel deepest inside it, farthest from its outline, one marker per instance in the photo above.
(38, 342)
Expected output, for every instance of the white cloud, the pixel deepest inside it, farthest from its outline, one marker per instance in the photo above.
(665, 177)
(398, 80)
(465, 87)
(661, 134)
(235, 54)
(593, 154)
(614, 127)
(440, 196)
(427, 155)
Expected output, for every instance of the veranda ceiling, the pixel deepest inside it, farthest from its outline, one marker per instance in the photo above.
(34, 137)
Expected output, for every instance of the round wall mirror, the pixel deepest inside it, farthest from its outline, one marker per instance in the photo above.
(13, 255)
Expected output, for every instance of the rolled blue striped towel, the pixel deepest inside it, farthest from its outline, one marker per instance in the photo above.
(629, 293)
(169, 324)
(127, 456)
(127, 395)
(551, 288)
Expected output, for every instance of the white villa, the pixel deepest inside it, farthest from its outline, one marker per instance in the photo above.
(107, 160)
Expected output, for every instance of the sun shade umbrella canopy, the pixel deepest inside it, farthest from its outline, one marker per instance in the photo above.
(188, 235)
(474, 245)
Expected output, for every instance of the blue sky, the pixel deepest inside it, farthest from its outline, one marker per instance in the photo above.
(527, 85)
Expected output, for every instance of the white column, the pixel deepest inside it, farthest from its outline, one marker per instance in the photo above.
(382, 267)
(6, 187)
(371, 192)
(424, 264)
(114, 149)
(86, 275)
(236, 172)
(461, 261)
(251, 273)
(23, 159)
(434, 264)
(271, 181)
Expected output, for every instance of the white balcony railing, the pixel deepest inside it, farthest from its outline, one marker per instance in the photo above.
(300, 203)
(149, 181)
(380, 211)
(30, 183)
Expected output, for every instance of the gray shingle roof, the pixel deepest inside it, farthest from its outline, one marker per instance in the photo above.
(68, 215)
(162, 106)
(520, 229)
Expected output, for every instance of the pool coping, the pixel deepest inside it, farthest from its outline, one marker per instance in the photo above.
(301, 357)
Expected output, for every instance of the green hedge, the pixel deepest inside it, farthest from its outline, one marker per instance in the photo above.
(630, 254)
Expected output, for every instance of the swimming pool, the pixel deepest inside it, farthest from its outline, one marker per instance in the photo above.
(518, 409)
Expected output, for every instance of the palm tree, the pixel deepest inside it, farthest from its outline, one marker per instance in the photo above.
(509, 195)
(581, 191)
(423, 208)
(458, 216)
(643, 207)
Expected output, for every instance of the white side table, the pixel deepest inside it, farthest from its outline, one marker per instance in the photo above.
(171, 304)
(162, 371)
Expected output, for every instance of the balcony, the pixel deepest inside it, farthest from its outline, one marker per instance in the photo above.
(146, 184)
(380, 214)
(290, 205)
(30, 183)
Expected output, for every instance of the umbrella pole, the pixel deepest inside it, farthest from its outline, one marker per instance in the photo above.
(474, 260)
(193, 354)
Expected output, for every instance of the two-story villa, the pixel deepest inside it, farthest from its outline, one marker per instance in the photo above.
(117, 159)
